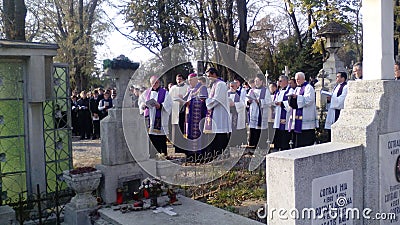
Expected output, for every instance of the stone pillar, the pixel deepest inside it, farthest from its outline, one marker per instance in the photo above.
(332, 66)
(39, 88)
(117, 163)
(378, 40)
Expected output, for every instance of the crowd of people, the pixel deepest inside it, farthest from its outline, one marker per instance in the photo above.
(214, 114)
(87, 109)
(223, 113)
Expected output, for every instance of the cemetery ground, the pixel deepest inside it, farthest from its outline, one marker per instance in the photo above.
(239, 191)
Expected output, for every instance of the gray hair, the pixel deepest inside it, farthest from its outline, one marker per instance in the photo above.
(301, 74)
(284, 77)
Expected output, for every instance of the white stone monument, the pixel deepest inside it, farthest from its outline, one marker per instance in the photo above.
(362, 162)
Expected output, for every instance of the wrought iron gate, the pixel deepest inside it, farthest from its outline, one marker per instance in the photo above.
(57, 129)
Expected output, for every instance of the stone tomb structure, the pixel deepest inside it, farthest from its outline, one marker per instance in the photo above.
(359, 169)
(27, 120)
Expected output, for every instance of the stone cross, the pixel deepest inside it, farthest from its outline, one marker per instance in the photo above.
(166, 210)
(378, 40)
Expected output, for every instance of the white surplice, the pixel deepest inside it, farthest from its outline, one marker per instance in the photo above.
(336, 103)
(307, 103)
(220, 105)
(254, 109)
(165, 111)
(174, 93)
(278, 109)
(241, 111)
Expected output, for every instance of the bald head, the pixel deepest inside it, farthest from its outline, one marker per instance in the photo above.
(193, 80)
(154, 82)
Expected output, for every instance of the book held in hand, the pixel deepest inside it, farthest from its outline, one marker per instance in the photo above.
(251, 96)
(180, 100)
(151, 103)
(326, 93)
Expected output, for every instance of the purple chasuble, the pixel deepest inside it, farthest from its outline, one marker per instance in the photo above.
(195, 111)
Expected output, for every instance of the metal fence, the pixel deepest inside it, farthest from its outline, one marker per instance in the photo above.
(41, 208)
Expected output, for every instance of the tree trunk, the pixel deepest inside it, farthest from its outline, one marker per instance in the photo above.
(396, 29)
(243, 34)
(293, 18)
(309, 19)
(14, 13)
(20, 14)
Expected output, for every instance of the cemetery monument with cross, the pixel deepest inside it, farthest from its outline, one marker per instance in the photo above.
(358, 170)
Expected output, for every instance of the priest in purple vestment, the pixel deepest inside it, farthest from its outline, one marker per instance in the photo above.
(157, 105)
(195, 111)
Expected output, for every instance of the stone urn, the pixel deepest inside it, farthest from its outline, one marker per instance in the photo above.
(83, 181)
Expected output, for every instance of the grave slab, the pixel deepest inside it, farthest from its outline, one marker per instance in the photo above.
(190, 212)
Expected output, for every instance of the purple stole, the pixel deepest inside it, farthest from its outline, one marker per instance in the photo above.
(262, 96)
(273, 100)
(282, 121)
(337, 111)
(208, 122)
(160, 100)
(233, 109)
(298, 122)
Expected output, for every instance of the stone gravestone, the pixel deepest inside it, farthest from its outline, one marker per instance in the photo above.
(117, 164)
(359, 169)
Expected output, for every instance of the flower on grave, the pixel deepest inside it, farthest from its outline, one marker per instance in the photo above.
(160, 156)
(151, 187)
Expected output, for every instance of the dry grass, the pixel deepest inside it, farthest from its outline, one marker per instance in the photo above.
(86, 153)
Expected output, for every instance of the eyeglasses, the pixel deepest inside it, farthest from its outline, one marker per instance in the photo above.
(280, 80)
